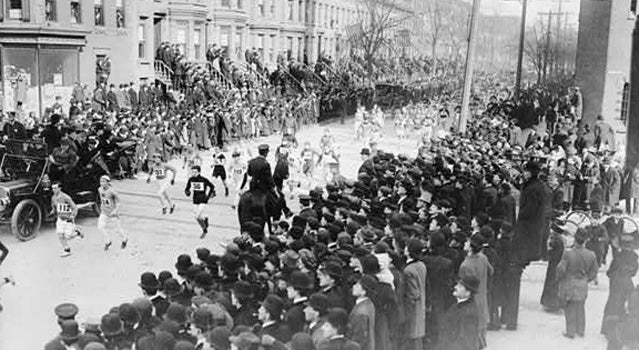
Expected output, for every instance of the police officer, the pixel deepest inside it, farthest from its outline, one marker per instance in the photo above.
(260, 171)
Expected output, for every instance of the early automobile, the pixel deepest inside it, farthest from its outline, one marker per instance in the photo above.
(25, 187)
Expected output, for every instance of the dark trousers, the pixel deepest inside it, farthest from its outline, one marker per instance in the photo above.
(413, 344)
(575, 313)
(512, 284)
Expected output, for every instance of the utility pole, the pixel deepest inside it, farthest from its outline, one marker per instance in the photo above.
(520, 53)
(558, 40)
(468, 76)
(547, 66)
(547, 49)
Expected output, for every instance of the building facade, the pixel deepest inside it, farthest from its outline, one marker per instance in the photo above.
(47, 46)
(604, 51)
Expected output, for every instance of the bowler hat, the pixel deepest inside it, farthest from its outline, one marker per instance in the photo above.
(299, 280)
(149, 281)
(183, 263)
(219, 338)
(230, 263)
(332, 269)
(66, 311)
(172, 287)
(274, 305)
(369, 284)
(470, 282)
(111, 325)
(128, 314)
(366, 234)
(263, 147)
(184, 345)
(338, 318)
(244, 340)
(202, 253)
(177, 313)
(70, 330)
(243, 290)
(289, 258)
(302, 341)
(319, 302)
(365, 151)
(143, 306)
(203, 279)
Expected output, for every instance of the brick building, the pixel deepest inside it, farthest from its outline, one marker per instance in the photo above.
(47, 46)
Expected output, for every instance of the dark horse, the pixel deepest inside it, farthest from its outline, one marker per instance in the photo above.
(260, 207)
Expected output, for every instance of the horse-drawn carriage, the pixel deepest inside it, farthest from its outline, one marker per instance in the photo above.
(583, 219)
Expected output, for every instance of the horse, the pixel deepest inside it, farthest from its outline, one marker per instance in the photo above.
(257, 203)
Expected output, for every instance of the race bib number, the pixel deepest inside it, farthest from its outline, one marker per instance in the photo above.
(63, 208)
(307, 156)
(159, 172)
(106, 202)
(197, 186)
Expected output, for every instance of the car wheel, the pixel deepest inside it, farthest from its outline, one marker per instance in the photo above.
(26, 220)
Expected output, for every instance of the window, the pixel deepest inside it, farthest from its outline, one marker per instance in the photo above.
(226, 3)
(238, 44)
(197, 43)
(260, 6)
(16, 9)
(260, 45)
(181, 38)
(119, 14)
(98, 12)
(225, 34)
(271, 49)
(300, 50)
(272, 7)
(141, 40)
(625, 102)
(300, 11)
(76, 12)
(289, 10)
(49, 11)
(633, 6)
(289, 48)
(239, 4)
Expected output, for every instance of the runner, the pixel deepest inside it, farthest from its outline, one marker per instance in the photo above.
(237, 168)
(109, 213)
(65, 209)
(219, 171)
(308, 156)
(159, 169)
(202, 190)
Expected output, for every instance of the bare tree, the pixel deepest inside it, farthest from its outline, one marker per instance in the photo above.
(379, 22)
(536, 50)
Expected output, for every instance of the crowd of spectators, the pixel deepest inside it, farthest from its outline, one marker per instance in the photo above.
(420, 251)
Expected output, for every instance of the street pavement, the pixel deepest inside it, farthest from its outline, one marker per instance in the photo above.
(96, 280)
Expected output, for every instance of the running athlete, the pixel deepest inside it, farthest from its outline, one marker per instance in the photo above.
(109, 213)
(202, 190)
(219, 171)
(237, 168)
(159, 170)
(65, 209)
(308, 155)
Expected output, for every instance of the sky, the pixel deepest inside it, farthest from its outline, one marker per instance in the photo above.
(513, 8)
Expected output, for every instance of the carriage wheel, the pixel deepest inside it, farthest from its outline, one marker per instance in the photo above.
(580, 218)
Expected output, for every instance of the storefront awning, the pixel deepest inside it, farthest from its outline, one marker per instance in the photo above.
(43, 36)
